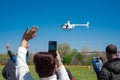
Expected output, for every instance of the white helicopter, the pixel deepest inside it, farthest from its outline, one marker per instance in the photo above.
(68, 26)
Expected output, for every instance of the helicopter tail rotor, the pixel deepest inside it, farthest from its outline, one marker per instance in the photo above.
(87, 25)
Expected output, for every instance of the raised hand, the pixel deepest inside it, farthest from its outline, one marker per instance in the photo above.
(29, 34)
(58, 58)
(8, 46)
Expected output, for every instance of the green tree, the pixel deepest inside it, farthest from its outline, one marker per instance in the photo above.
(76, 57)
(64, 49)
(67, 59)
(74, 51)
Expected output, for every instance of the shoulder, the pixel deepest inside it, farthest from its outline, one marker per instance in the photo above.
(105, 73)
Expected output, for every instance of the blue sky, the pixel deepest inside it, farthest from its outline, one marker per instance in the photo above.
(49, 15)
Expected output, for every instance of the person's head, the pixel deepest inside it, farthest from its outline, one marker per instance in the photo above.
(94, 58)
(97, 59)
(111, 51)
(45, 64)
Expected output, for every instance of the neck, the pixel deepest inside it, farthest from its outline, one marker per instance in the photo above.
(113, 57)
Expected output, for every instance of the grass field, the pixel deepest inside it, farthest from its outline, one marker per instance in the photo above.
(79, 72)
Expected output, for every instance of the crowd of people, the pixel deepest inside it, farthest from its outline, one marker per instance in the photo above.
(49, 67)
(109, 70)
(97, 63)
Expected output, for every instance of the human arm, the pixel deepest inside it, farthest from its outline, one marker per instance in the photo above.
(104, 74)
(22, 70)
(10, 53)
(28, 35)
(69, 73)
(62, 73)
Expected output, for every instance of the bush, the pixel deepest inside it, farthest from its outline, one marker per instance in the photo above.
(67, 59)
(77, 59)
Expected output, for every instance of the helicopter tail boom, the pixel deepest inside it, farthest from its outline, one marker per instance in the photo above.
(86, 25)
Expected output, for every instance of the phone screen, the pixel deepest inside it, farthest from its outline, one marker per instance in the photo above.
(52, 45)
(52, 48)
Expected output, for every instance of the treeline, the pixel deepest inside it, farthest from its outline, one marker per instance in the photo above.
(69, 56)
(3, 58)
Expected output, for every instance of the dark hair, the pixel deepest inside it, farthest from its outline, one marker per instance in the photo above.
(44, 64)
(111, 49)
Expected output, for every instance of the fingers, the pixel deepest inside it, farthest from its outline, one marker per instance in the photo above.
(33, 30)
(36, 28)
(33, 35)
(26, 30)
(58, 58)
(29, 34)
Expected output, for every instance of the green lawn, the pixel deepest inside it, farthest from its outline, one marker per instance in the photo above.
(1, 67)
(79, 72)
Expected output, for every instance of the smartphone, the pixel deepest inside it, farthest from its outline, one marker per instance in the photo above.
(52, 47)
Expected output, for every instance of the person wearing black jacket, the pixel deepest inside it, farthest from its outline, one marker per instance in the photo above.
(8, 71)
(111, 69)
(13, 56)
